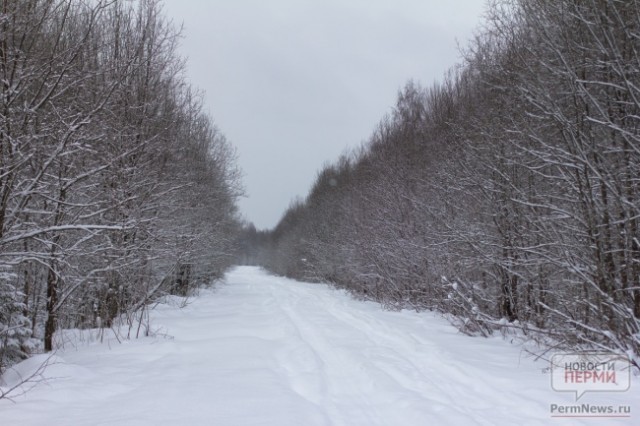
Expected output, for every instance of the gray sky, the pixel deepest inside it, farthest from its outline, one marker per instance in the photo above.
(294, 83)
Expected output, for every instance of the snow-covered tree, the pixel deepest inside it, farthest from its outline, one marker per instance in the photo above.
(114, 185)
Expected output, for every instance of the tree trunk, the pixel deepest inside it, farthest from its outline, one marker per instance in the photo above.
(52, 301)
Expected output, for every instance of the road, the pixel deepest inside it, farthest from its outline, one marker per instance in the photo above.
(265, 350)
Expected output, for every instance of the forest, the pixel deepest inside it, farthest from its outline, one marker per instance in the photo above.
(506, 197)
(115, 187)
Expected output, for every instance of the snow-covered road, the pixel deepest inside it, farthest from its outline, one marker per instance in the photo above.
(263, 350)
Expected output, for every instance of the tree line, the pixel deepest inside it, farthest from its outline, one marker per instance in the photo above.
(115, 186)
(505, 197)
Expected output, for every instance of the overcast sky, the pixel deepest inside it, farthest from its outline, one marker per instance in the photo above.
(294, 83)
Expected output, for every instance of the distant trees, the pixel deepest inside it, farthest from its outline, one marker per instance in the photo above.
(114, 186)
(507, 196)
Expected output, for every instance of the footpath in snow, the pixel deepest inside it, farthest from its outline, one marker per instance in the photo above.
(264, 350)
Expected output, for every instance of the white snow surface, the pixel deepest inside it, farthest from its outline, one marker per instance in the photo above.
(265, 350)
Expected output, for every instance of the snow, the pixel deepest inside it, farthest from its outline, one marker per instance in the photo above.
(265, 350)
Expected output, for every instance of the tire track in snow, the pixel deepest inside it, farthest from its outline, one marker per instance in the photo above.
(382, 366)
